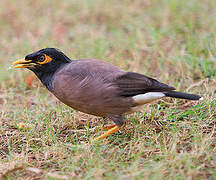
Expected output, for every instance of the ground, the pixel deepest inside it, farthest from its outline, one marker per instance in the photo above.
(171, 40)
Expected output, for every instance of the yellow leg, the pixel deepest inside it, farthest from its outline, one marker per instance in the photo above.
(107, 127)
(109, 132)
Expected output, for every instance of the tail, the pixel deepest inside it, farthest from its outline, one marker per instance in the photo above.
(182, 95)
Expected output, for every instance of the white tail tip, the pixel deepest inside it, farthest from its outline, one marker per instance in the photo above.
(201, 99)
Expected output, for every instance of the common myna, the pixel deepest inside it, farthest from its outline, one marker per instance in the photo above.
(96, 87)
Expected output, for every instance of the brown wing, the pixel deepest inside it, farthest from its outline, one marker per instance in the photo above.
(131, 84)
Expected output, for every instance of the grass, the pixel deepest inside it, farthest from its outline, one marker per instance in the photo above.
(168, 39)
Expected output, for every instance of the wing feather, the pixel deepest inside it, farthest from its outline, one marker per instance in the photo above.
(131, 84)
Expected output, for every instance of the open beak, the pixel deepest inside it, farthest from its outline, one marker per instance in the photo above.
(22, 63)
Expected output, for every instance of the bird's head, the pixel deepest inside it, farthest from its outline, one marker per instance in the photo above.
(44, 60)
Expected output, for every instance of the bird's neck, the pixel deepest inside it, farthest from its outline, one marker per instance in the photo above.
(46, 79)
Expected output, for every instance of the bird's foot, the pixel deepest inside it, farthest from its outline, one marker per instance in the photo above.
(107, 127)
(109, 132)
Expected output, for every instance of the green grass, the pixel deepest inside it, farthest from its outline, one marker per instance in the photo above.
(171, 40)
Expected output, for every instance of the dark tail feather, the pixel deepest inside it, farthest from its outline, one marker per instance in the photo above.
(182, 95)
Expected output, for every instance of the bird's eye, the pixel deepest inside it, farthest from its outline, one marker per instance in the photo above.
(41, 58)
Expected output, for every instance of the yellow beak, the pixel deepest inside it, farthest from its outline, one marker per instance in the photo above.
(22, 63)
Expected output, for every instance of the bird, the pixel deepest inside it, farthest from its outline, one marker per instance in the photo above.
(96, 87)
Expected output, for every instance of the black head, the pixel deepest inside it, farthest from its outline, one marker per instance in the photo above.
(44, 63)
(45, 60)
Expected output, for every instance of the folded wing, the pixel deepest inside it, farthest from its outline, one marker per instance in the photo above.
(131, 84)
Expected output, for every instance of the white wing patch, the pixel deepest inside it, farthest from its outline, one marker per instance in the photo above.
(147, 97)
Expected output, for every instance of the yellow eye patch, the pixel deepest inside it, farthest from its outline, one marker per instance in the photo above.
(46, 59)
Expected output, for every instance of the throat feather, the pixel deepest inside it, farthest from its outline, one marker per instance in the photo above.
(46, 79)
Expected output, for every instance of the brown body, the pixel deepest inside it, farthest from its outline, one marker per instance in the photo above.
(96, 87)
(87, 85)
